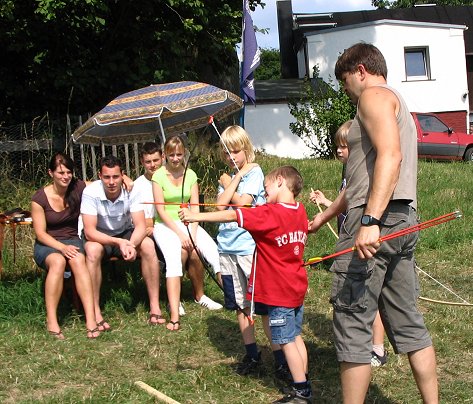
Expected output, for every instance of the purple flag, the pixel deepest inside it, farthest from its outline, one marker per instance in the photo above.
(251, 55)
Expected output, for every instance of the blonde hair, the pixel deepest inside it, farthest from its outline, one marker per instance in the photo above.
(236, 138)
(294, 181)
(174, 142)
(342, 133)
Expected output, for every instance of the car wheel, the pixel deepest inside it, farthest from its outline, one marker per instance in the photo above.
(469, 155)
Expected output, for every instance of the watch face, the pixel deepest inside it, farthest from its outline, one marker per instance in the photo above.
(365, 220)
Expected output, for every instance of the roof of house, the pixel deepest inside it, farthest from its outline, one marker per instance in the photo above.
(281, 90)
(457, 15)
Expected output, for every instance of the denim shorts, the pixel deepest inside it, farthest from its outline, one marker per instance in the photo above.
(285, 323)
(42, 251)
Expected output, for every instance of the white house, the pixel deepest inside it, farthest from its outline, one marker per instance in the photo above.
(426, 61)
(268, 121)
(429, 59)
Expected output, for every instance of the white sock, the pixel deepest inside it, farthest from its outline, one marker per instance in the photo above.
(378, 349)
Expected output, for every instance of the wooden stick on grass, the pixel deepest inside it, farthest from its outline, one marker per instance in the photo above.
(160, 396)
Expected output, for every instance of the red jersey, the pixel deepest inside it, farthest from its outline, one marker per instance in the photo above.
(280, 233)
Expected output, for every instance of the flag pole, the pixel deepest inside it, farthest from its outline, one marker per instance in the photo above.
(250, 60)
(242, 94)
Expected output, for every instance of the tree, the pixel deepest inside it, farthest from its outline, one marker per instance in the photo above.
(77, 55)
(412, 3)
(319, 114)
(270, 66)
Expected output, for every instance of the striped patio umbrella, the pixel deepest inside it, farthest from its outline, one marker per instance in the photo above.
(160, 109)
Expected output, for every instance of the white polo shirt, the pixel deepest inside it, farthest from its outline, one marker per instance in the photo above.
(112, 217)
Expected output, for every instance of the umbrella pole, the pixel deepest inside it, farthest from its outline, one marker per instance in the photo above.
(162, 130)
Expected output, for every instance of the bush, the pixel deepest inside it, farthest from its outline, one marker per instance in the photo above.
(319, 114)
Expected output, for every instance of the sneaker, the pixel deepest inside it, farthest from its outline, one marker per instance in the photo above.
(208, 303)
(249, 365)
(182, 312)
(283, 373)
(377, 361)
(295, 397)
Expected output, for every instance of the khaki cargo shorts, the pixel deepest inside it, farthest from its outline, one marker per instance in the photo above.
(389, 278)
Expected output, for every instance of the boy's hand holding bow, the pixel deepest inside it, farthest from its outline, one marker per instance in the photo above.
(186, 215)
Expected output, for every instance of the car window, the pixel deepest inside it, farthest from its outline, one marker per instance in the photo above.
(429, 123)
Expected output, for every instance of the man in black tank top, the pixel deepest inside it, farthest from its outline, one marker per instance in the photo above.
(380, 198)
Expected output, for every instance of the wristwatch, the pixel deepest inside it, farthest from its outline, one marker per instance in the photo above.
(367, 220)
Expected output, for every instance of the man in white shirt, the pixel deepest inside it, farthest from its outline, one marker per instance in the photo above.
(114, 226)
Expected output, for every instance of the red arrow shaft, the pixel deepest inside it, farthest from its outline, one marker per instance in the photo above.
(417, 227)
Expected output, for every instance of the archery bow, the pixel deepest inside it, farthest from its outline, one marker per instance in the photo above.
(328, 223)
(462, 303)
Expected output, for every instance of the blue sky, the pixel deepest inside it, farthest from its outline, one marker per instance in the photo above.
(267, 18)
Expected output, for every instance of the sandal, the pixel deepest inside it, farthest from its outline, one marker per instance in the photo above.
(173, 325)
(92, 332)
(103, 326)
(158, 317)
(57, 334)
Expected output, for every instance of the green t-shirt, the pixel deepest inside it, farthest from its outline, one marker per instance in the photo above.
(173, 193)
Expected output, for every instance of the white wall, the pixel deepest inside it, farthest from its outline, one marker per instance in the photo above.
(447, 59)
(268, 126)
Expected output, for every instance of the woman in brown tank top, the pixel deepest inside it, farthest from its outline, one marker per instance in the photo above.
(55, 211)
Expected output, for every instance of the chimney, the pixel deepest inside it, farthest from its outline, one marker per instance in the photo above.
(289, 68)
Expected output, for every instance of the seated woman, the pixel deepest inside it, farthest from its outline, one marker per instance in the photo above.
(171, 234)
(55, 212)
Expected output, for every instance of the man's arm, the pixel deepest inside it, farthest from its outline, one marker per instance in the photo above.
(149, 226)
(378, 108)
(92, 234)
(139, 232)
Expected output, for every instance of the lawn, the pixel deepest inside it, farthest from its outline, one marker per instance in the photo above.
(196, 364)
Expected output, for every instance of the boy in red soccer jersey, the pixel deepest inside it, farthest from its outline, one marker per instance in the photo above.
(278, 278)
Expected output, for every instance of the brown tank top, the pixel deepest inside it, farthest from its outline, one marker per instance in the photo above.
(360, 165)
(60, 225)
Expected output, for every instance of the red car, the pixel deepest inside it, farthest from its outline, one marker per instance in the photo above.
(436, 140)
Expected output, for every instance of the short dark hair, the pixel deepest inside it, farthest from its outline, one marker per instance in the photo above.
(293, 178)
(364, 54)
(110, 162)
(150, 148)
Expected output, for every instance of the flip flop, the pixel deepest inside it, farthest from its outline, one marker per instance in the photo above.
(57, 334)
(92, 332)
(105, 326)
(158, 317)
(173, 325)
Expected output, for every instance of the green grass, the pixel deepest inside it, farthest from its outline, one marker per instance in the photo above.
(195, 364)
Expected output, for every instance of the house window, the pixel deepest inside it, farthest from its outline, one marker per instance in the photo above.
(417, 63)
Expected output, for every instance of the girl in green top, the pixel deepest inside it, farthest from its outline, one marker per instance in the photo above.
(171, 234)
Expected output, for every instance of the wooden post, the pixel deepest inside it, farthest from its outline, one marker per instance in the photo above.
(137, 160)
(127, 160)
(94, 162)
(82, 158)
(160, 396)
